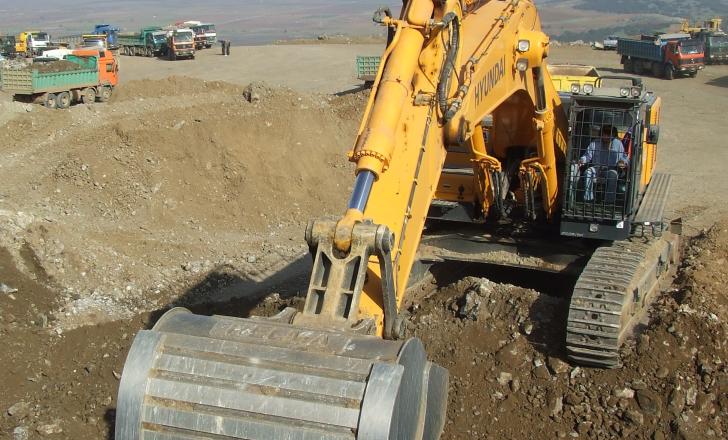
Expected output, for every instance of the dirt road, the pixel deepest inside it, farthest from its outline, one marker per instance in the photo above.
(324, 68)
(189, 190)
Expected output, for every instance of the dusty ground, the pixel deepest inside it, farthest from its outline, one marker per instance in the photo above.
(183, 191)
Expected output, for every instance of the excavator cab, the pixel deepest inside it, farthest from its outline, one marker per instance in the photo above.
(608, 158)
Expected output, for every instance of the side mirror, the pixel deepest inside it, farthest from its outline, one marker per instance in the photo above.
(653, 134)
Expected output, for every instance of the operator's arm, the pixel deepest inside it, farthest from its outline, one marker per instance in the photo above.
(618, 148)
(587, 157)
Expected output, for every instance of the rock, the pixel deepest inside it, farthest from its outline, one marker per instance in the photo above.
(541, 372)
(21, 433)
(557, 407)
(19, 410)
(512, 354)
(251, 259)
(704, 404)
(575, 372)
(504, 378)
(49, 429)
(676, 401)
(691, 396)
(527, 328)
(658, 435)
(4, 288)
(649, 402)
(624, 393)
(634, 417)
(557, 366)
(515, 385)
(469, 308)
(662, 372)
(573, 399)
(583, 428)
(253, 92)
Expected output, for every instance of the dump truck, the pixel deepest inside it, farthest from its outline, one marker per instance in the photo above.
(180, 44)
(31, 43)
(86, 75)
(111, 32)
(7, 46)
(573, 77)
(205, 34)
(366, 68)
(716, 46)
(666, 55)
(99, 41)
(148, 42)
(432, 183)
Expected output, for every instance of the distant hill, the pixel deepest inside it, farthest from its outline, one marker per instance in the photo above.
(630, 16)
(693, 9)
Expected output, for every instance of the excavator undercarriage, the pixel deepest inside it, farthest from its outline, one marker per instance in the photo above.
(463, 126)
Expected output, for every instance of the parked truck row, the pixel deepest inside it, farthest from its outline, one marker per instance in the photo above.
(174, 42)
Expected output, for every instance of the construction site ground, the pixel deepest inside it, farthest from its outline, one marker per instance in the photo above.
(193, 187)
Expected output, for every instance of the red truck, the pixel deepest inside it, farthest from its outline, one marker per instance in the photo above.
(664, 55)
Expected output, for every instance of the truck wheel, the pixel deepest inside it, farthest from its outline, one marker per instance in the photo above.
(63, 100)
(50, 101)
(693, 74)
(104, 93)
(88, 96)
(637, 67)
(656, 70)
(628, 66)
(669, 72)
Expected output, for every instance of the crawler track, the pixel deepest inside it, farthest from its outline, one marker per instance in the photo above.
(613, 291)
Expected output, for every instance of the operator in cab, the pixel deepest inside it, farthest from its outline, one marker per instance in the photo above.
(604, 156)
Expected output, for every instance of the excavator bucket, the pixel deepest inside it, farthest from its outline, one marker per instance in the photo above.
(194, 377)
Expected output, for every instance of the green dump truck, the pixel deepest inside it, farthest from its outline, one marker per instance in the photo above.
(367, 67)
(149, 42)
(85, 76)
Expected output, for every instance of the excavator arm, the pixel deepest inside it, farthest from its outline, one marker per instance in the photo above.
(449, 65)
(341, 368)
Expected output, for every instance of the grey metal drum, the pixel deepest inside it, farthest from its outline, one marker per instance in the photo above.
(194, 377)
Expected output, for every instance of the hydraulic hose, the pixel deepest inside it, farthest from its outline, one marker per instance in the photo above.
(443, 85)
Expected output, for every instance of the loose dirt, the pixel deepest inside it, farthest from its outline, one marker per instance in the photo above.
(509, 379)
(187, 190)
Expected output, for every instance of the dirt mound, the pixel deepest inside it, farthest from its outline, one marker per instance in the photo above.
(509, 377)
(55, 66)
(172, 86)
(171, 180)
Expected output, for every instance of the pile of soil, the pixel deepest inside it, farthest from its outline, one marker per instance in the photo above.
(55, 66)
(120, 207)
(503, 346)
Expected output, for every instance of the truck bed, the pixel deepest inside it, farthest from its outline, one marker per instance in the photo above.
(643, 49)
(30, 82)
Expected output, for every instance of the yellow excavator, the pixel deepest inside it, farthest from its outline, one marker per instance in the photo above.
(465, 152)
